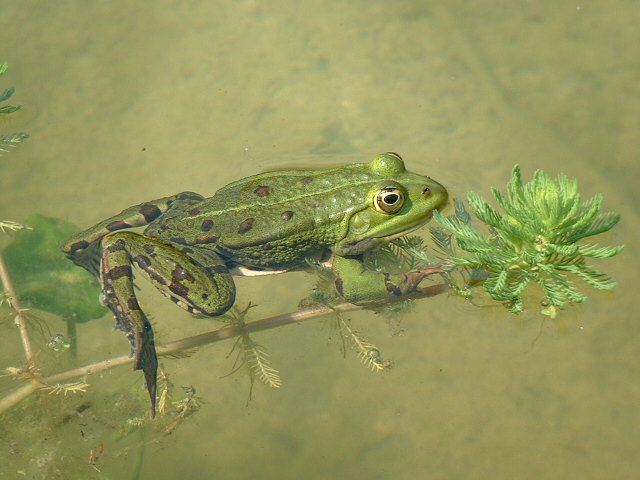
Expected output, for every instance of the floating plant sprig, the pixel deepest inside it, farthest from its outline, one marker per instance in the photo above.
(367, 352)
(250, 353)
(533, 240)
(10, 141)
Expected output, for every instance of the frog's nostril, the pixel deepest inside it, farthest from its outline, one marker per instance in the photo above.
(426, 191)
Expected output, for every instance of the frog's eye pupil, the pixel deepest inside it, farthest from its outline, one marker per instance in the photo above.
(389, 200)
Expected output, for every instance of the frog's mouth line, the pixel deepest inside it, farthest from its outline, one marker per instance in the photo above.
(404, 232)
(361, 245)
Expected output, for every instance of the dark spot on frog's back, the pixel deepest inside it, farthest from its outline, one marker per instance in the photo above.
(206, 225)
(246, 225)
(150, 212)
(206, 238)
(194, 211)
(287, 215)
(261, 191)
(306, 180)
(149, 249)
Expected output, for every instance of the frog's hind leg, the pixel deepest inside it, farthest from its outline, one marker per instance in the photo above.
(119, 296)
(198, 281)
(84, 247)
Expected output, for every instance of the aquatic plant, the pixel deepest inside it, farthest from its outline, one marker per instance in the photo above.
(249, 353)
(535, 239)
(9, 141)
(366, 352)
(9, 226)
(44, 278)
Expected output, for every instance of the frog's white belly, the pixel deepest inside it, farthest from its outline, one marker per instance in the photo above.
(241, 271)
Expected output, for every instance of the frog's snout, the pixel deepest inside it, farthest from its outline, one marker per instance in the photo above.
(437, 192)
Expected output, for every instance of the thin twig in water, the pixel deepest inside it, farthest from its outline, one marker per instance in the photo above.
(15, 306)
(189, 343)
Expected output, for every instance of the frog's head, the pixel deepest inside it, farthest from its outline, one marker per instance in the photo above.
(396, 202)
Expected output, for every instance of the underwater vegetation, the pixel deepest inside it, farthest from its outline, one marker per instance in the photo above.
(535, 239)
(43, 277)
(9, 141)
(12, 140)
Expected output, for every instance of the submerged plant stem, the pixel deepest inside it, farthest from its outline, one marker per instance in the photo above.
(15, 306)
(196, 341)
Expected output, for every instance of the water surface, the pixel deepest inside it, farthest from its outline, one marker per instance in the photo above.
(130, 101)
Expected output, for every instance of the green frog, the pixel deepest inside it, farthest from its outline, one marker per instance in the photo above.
(268, 223)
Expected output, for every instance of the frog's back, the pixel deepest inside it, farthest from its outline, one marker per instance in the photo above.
(270, 220)
(283, 204)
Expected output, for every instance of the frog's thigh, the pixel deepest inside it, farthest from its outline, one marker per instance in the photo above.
(136, 216)
(360, 286)
(198, 281)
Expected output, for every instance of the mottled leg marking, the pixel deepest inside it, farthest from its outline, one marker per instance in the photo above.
(198, 282)
(77, 248)
(117, 281)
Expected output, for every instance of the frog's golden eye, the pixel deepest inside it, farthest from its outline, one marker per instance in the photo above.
(389, 200)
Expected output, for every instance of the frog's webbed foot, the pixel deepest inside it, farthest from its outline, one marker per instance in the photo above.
(147, 361)
(143, 347)
(407, 282)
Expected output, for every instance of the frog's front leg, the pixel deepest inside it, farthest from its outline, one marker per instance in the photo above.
(198, 282)
(358, 285)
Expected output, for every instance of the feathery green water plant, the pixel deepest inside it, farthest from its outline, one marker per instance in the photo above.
(533, 240)
(8, 142)
(250, 353)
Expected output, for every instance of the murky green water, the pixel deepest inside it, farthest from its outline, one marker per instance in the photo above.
(130, 101)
